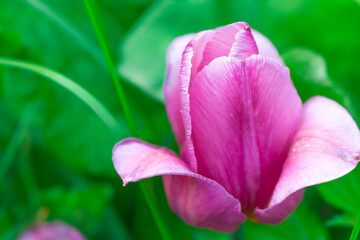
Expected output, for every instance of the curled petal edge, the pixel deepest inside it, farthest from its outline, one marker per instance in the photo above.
(171, 86)
(326, 147)
(188, 193)
(278, 213)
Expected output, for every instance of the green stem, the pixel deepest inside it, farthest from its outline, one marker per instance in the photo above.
(11, 150)
(99, 27)
(26, 172)
(155, 211)
(356, 229)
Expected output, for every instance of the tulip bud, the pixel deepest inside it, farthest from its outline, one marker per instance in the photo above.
(248, 146)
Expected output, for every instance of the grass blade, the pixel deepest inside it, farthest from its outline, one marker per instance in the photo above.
(356, 229)
(71, 86)
(99, 27)
(13, 146)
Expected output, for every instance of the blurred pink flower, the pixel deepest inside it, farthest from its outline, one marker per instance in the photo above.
(248, 147)
(51, 231)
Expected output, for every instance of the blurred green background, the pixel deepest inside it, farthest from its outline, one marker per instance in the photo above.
(55, 152)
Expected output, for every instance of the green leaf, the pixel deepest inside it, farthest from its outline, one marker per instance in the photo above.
(343, 220)
(303, 224)
(307, 67)
(344, 192)
(309, 73)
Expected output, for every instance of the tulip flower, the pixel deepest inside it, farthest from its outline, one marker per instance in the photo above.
(248, 146)
(53, 230)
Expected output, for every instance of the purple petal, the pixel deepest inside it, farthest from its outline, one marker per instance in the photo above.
(52, 230)
(244, 115)
(135, 160)
(278, 213)
(244, 45)
(199, 201)
(325, 148)
(265, 46)
(172, 85)
(221, 43)
(202, 202)
(200, 51)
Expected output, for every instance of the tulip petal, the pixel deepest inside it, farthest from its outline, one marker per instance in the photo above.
(244, 115)
(222, 40)
(199, 201)
(202, 202)
(278, 213)
(51, 230)
(265, 46)
(325, 148)
(202, 49)
(172, 85)
(244, 45)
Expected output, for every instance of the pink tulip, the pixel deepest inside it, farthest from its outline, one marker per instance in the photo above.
(248, 147)
(53, 230)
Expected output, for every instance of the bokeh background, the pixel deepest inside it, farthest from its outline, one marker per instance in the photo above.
(55, 152)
